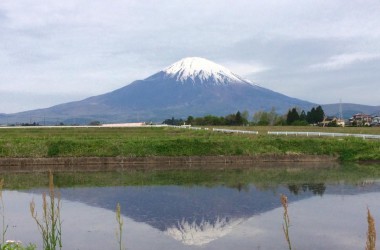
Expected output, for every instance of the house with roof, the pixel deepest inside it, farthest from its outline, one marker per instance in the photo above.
(332, 121)
(375, 121)
(360, 119)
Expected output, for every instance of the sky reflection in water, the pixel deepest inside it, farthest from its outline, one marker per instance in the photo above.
(198, 217)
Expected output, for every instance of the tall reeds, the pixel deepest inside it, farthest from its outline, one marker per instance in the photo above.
(119, 230)
(50, 223)
(371, 233)
(286, 224)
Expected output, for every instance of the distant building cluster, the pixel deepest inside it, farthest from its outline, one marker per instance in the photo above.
(362, 119)
(357, 120)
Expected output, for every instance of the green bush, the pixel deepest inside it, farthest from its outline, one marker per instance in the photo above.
(17, 245)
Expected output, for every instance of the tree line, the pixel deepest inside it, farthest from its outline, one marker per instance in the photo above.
(237, 119)
(294, 117)
(314, 116)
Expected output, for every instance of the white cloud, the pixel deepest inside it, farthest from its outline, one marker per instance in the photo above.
(245, 69)
(338, 62)
(82, 47)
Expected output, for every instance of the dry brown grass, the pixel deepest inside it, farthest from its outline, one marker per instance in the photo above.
(50, 223)
(371, 233)
(286, 225)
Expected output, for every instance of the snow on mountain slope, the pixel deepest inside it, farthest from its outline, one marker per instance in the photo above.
(200, 70)
(191, 233)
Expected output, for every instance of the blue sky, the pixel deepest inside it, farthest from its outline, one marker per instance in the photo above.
(59, 51)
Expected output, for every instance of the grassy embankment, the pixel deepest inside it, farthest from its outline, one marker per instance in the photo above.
(112, 142)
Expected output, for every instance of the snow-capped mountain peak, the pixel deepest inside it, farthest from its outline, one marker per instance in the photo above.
(200, 70)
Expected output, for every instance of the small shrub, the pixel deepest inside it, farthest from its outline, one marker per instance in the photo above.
(17, 245)
(53, 150)
(300, 123)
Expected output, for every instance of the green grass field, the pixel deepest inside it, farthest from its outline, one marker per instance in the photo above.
(111, 142)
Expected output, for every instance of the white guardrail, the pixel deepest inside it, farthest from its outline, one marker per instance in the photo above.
(217, 130)
(286, 133)
(185, 127)
(234, 131)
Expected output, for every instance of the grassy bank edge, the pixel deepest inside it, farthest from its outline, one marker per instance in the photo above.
(264, 177)
(168, 142)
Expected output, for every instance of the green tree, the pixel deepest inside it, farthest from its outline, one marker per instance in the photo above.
(319, 114)
(245, 115)
(280, 120)
(238, 118)
(292, 116)
(212, 120)
(95, 123)
(173, 121)
(190, 120)
(272, 116)
(303, 116)
(230, 120)
(310, 117)
(261, 118)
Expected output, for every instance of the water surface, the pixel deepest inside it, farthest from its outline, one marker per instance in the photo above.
(213, 214)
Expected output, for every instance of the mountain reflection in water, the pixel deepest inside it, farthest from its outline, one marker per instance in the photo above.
(198, 215)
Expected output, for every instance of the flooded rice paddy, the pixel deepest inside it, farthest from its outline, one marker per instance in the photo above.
(237, 209)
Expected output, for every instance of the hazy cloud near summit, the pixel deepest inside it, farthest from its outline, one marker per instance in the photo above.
(77, 48)
(341, 61)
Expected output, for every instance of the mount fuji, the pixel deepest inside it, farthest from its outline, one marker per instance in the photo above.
(195, 70)
(192, 86)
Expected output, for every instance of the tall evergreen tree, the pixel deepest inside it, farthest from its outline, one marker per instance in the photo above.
(310, 116)
(292, 116)
(238, 118)
(303, 116)
(319, 114)
(289, 118)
